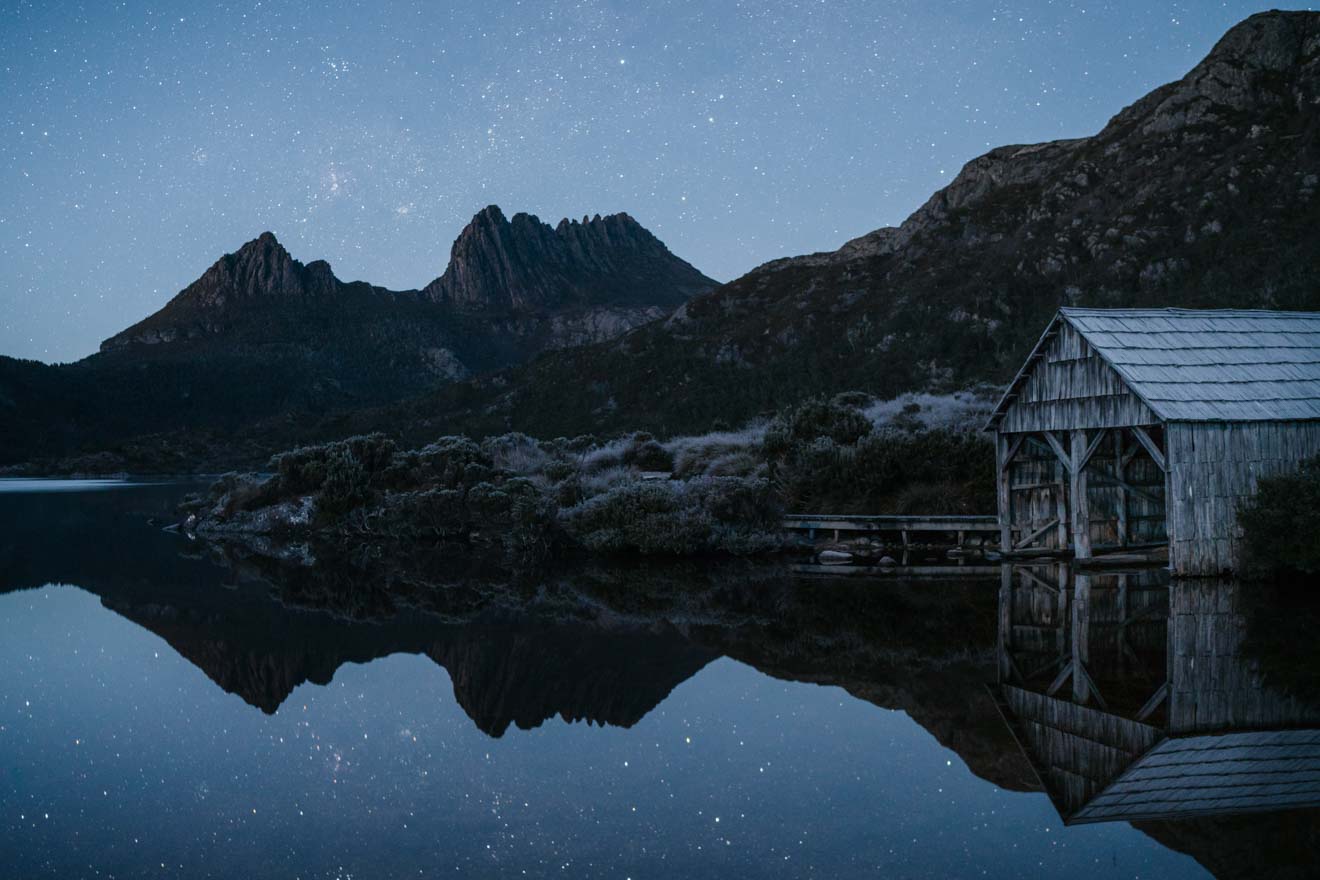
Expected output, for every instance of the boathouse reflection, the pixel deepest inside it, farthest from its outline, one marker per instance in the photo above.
(1132, 698)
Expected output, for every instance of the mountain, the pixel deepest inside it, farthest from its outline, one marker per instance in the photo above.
(524, 265)
(542, 286)
(1201, 194)
(260, 335)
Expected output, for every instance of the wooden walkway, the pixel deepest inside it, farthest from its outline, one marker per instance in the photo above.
(984, 528)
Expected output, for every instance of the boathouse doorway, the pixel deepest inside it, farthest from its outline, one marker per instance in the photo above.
(1083, 492)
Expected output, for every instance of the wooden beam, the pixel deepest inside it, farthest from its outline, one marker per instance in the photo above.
(1005, 496)
(1151, 448)
(1154, 702)
(1028, 575)
(1059, 451)
(1061, 506)
(1081, 512)
(1023, 542)
(1014, 448)
(1103, 479)
(1088, 687)
(1059, 679)
(1095, 444)
(1120, 467)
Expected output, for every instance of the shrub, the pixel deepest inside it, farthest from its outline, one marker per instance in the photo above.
(640, 451)
(812, 420)
(737, 452)
(646, 454)
(453, 462)
(234, 492)
(937, 471)
(1281, 525)
(669, 517)
(516, 453)
(305, 470)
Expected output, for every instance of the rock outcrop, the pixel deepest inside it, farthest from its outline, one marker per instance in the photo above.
(523, 265)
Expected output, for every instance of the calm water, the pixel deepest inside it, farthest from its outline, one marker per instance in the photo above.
(167, 711)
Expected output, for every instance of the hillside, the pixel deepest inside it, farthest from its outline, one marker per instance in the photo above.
(1201, 194)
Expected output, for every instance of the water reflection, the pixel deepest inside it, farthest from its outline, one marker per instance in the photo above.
(1089, 678)
(1136, 699)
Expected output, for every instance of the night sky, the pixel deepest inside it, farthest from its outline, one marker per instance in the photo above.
(140, 141)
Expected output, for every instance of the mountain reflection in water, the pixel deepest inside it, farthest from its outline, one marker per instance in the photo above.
(609, 645)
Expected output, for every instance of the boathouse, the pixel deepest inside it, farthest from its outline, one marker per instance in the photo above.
(1130, 429)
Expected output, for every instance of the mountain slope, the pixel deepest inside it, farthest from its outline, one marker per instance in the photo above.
(260, 335)
(1201, 194)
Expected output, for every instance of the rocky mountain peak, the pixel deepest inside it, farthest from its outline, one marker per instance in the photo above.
(261, 267)
(521, 265)
(261, 270)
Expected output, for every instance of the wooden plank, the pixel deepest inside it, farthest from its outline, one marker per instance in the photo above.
(1061, 507)
(1103, 479)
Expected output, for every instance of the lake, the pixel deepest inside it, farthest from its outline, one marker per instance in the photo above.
(172, 709)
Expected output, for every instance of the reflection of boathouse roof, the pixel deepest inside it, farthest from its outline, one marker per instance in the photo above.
(1098, 767)
(1206, 775)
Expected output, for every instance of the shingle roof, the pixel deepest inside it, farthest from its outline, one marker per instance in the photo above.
(1206, 775)
(1229, 365)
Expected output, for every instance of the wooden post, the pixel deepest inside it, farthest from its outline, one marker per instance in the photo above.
(1005, 622)
(1081, 634)
(1081, 513)
(1061, 506)
(1004, 493)
(1120, 471)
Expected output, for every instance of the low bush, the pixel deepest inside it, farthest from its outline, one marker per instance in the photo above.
(878, 472)
(1281, 525)
(678, 518)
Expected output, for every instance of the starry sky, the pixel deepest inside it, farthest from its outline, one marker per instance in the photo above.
(139, 141)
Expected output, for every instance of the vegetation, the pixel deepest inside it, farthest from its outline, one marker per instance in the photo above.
(722, 492)
(827, 456)
(1281, 525)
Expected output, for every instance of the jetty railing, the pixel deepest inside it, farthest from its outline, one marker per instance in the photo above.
(983, 528)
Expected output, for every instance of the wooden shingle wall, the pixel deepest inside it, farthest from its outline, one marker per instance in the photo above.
(1214, 467)
(1071, 386)
(1212, 685)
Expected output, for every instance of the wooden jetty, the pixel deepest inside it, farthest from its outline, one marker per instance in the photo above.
(963, 530)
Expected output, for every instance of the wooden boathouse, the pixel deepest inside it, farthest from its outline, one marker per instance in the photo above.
(1137, 428)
